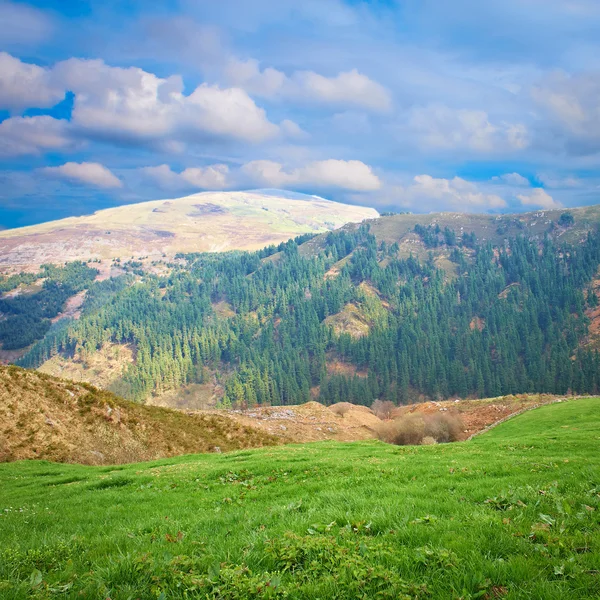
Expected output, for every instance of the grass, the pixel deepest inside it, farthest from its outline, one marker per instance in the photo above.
(513, 513)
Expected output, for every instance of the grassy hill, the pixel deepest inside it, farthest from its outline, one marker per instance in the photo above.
(511, 514)
(206, 222)
(53, 419)
(400, 228)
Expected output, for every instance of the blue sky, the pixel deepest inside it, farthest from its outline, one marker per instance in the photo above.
(406, 105)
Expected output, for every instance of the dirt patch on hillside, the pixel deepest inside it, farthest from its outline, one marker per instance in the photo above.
(72, 308)
(478, 415)
(477, 323)
(339, 367)
(102, 368)
(592, 340)
(194, 396)
(349, 320)
(310, 422)
(223, 309)
(53, 419)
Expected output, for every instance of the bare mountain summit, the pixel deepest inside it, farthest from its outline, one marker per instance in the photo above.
(206, 222)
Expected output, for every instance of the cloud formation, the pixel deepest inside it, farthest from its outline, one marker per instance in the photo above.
(22, 25)
(141, 106)
(539, 198)
(572, 104)
(345, 174)
(213, 177)
(20, 136)
(349, 88)
(25, 85)
(438, 126)
(514, 179)
(457, 193)
(85, 173)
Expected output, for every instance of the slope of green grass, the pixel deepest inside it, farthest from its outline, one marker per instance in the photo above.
(511, 514)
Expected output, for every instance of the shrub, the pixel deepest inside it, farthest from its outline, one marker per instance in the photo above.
(408, 430)
(383, 409)
(413, 429)
(443, 427)
(341, 408)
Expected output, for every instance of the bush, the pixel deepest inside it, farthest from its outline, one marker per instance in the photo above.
(383, 409)
(341, 408)
(408, 430)
(414, 429)
(443, 427)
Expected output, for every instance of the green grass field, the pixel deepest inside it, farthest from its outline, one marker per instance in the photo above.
(513, 513)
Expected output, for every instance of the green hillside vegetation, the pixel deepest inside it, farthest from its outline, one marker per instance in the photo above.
(509, 320)
(26, 317)
(514, 513)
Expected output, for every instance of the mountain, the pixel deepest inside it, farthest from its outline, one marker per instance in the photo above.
(400, 308)
(52, 419)
(207, 222)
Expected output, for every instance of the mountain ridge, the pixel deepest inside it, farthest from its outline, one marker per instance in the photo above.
(204, 222)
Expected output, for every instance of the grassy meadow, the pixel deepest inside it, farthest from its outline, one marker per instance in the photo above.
(513, 513)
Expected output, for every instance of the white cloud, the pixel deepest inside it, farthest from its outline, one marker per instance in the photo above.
(573, 103)
(350, 175)
(512, 179)
(87, 173)
(347, 88)
(556, 182)
(136, 106)
(293, 130)
(456, 193)
(33, 135)
(441, 127)
(24, 85)
(213, 177)
(139, 105)
(540, 198)
(22, 25)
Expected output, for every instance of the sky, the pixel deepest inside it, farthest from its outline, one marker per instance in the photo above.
(403, 105)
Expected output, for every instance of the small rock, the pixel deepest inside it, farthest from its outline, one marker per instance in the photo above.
(49, 422)
(283, 427)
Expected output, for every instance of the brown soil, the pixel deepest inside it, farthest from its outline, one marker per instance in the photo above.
(102, 368)
(339, 367)
(477, 415)
(349, 320)
(72, 308)
(310, 422)
(53, 419)
(592, 340)
(477, 323)
(313, 421)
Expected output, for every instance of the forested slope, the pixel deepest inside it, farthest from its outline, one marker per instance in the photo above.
(460, 316)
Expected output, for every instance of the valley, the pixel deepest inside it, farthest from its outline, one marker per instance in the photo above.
(502, 309)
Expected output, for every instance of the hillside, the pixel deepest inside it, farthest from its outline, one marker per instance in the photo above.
(345, 316)
(206, 222)
(47, 418)
(511, 514)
